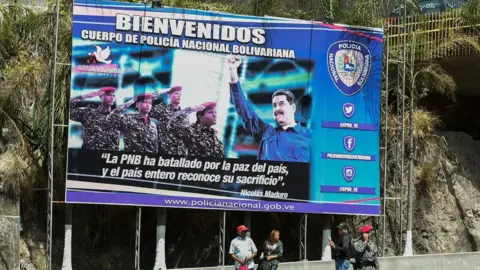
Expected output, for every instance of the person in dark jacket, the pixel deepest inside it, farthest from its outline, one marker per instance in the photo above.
(272, 250)
(343, 248)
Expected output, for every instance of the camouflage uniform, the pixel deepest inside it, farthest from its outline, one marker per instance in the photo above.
(170, 142)
(200, 140)
(204, 142)
(138, 136)
(365, 255)
(98, 132)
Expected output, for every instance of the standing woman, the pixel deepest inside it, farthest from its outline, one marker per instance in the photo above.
(272, 251)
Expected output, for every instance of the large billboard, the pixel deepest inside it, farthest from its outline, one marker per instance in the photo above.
(193, 109)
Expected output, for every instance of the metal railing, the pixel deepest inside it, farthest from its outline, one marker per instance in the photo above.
(437, 35)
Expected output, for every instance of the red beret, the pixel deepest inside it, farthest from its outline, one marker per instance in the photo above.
(209, 105)
(142, 97)
(366, 229)
(108, 90)
(242, 228)
(174, 89)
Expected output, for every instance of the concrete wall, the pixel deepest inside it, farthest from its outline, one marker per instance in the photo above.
(458, 261)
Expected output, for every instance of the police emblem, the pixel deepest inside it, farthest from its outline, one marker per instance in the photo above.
(349, 65)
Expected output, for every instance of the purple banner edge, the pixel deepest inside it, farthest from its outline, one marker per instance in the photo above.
(132, 199)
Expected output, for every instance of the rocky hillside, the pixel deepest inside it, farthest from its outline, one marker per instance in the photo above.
(448, 208)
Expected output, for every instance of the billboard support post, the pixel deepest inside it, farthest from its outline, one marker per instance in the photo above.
(138, 231)
(161, 234)
(247, 220)
(67, 246)
(221, 239)
(408, 243)
(303, 237)
(402, 164)
(327, 232)
(396, 137)
(400, 142)
(51, 146)
(385, 135)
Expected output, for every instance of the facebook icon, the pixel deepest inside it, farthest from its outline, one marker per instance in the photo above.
(349, 143)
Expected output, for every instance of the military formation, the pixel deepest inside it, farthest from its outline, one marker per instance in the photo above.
(172, 134)
(162, 128)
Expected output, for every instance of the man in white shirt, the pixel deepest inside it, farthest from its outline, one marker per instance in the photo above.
(243, 249)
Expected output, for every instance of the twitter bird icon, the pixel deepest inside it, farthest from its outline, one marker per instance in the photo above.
(348, 109)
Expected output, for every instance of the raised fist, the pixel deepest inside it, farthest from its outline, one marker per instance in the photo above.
(234, 61)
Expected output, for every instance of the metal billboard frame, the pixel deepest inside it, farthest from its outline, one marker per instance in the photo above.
(398, 135)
